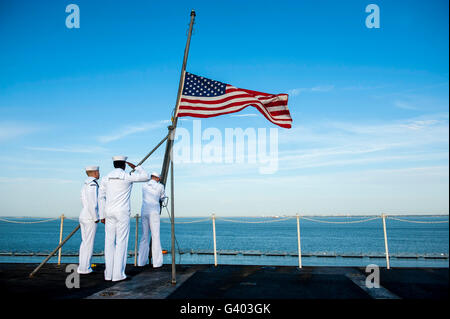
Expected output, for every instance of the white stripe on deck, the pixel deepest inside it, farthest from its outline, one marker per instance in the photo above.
(146, 285)
(376, 293)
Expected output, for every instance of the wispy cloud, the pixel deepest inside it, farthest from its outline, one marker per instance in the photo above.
(244, 115)
(405, 105)
(9, 130)
(412, 131)
(414, 91)
(363, 88)
(320, 88)
(38, 180)
(346, 146)
(68, 149)
(342, 144)
(300, 163)
(420, 125)
(415, 99)
(130, 130)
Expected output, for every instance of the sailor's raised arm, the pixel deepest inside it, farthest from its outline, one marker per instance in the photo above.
(139, 175)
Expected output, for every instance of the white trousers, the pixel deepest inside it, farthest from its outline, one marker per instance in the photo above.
(117, 229)
(150, 222)
(88, 229)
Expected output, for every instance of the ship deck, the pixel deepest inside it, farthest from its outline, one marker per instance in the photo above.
(225, 282)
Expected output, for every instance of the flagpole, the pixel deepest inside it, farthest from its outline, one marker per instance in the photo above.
(183, 68)
(172, 128)
(169, 144)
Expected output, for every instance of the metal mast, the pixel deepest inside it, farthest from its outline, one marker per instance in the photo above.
(172, 128)
(169, 144)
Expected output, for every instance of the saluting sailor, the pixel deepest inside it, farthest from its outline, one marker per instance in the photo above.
(89, 217)
(152, 196)
(114, 199)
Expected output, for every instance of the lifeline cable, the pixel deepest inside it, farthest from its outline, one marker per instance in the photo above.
(331, 222)
(418, 222)
(35, 222)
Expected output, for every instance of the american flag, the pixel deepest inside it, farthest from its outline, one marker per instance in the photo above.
(203, 97)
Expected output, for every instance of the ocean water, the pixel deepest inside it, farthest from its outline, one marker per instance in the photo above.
(266, 235)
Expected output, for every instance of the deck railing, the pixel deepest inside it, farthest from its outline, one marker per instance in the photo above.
(213, 218)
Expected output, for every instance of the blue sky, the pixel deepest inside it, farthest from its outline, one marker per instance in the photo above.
(369, 106)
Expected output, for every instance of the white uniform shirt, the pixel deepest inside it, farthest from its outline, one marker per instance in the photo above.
(89, 193)
(115, 190)
(152, 193)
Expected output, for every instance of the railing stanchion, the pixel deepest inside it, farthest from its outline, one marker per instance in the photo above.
(136, 240)
(298, 243)
(383, 216)
(61, 226)
(214, 235)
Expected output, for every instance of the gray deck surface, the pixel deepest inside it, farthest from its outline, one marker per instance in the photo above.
(226, 281)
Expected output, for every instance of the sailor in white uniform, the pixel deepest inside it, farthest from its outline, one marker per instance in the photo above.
(89, 217)
(114, 200)
(152, 196)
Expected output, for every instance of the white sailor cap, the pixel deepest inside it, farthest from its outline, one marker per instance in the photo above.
(119, 158)
(155, 174)
(91, 168)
